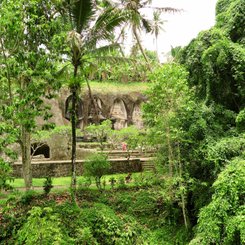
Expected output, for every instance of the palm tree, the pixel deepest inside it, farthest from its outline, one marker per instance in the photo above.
(157, 24)
(90, 25)
(136, 20)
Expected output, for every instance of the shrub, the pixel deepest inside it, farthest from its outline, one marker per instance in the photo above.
(221, 152)
(73, 225)
(27, 197)
(85, 183)
(222, 220)
(112, 181)
(130, 135)
(96, 166)
(168, 235)
(47, 185)
(240, 120)
(97, 224)
(85, 236)
(121, 183)
(108, 228)
(11, 219)
(42, 227)
(122, 201)
(144, 204)
(5, 175)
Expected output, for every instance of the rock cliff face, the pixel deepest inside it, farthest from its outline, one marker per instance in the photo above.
(123, 109)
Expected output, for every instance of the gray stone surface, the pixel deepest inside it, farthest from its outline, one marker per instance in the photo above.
(124, 107)
(63, 168)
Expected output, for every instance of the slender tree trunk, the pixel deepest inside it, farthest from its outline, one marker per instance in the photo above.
(157, 50)
(184, 210)
(73, 129)
(183, 206)
(73, 148)
(140, 46)
(26, 157)
(25, 142)
(117, 40)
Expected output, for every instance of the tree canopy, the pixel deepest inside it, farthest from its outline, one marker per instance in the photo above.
(194, 121)
(28, 67)
(216, 58)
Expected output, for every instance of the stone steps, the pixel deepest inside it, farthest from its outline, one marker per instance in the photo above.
(147, 164)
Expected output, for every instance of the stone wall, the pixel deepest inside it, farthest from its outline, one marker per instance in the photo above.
(63, 168)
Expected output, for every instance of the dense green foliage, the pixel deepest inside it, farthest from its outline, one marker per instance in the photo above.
(194, 117)
(230, 17)
(5, 175)
(41, 227)
(216, 58)
(96, 166)
(132, 216)
(28, 69)
(222, 221)
(28, 60)
(216, 68)
(201, 138)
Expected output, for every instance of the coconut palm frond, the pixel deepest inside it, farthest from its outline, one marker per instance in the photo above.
(146, 25)
(81, 12)
(105, 49)
(110, 19)
(112, 59)
(61, 71)
(104, 27)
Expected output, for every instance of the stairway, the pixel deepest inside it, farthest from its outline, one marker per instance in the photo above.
(147, 164)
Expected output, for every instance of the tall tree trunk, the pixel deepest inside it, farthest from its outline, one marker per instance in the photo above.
(26, 157)
(140, 46)
(73, 129)
(157, 49)
(25, 142)
(184, 210)
(183, 202)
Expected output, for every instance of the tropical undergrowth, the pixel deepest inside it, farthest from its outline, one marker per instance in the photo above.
(140, 214)
(197, 143)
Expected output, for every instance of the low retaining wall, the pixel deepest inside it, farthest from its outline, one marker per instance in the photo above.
(63, 168)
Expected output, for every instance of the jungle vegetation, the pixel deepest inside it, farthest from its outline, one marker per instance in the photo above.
(194, 117)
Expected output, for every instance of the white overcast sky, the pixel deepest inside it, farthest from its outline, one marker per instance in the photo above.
(181, 28)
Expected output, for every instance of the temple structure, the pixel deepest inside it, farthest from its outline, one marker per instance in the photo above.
(122, 109)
